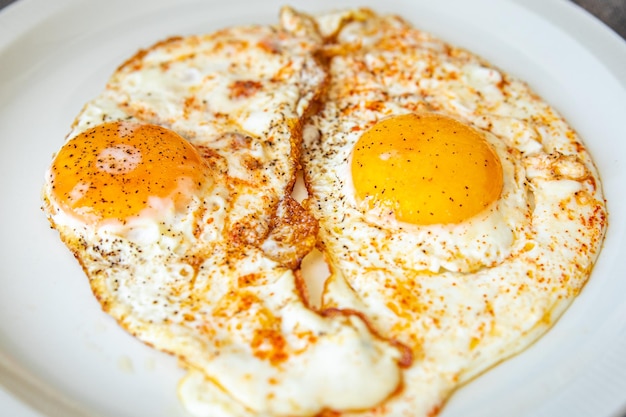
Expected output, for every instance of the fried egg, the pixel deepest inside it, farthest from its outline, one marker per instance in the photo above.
(458, 211)
(173, 192)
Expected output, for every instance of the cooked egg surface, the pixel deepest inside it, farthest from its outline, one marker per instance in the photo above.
(173, 192)
(426, 169)
(116, 170)
(458, 211)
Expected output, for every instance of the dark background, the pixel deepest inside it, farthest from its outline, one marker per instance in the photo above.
(611, 12)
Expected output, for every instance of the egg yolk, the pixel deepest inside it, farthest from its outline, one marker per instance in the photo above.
(114, 171)
(426, 168)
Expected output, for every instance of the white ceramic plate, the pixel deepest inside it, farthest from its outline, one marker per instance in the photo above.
(61, 356)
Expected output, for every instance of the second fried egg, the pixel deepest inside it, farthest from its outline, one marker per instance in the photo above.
(458, 211)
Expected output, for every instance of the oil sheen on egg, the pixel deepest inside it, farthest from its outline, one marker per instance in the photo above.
(458, 211)
(173, 192)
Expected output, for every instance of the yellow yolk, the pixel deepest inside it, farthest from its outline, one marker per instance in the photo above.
(114, 170)
(426, 168)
